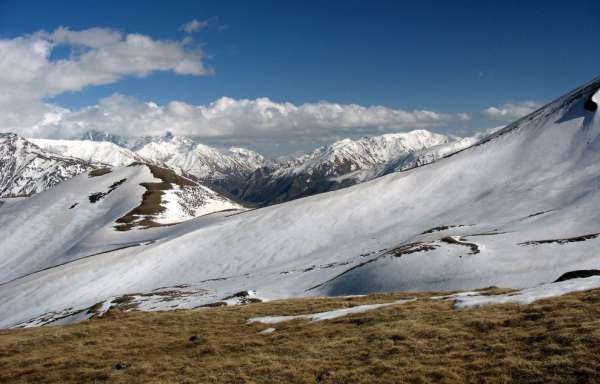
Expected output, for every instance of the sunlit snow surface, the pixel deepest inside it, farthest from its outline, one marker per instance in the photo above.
(517, 210)
(529, 295)
(93, 151)
(185, 203)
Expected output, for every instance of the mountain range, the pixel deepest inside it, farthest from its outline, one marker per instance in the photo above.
(516, 208)
(248, 176)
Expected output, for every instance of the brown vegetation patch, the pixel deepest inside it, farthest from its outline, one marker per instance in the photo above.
(460, 241)
(562, 241)
(99, 172)
(426, 341)
(412, 248)
(443, 228)
(141, 216)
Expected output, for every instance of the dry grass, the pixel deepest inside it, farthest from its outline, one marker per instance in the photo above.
(551, 341)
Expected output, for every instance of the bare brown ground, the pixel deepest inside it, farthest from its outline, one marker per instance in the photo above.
(551, 341)
(99, 172)
(151, 199)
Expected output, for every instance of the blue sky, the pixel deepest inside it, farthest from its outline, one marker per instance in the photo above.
(448, 57)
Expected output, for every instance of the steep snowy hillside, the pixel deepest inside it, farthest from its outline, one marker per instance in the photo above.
(100, 152)
(27, 169)
(339, 165)
(95, 212)
(518, 209)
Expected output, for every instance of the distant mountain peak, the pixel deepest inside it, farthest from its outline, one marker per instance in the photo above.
(27, 169)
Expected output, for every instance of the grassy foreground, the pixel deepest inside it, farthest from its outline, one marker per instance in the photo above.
(555, 340)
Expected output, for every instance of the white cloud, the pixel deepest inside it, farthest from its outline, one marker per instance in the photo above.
(464, 116)
(228, 117)
(193, 26)
(29, 73)
(103, 56)
(511, 111)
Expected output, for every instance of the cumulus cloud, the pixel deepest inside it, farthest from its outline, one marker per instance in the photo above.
(193, 26)
(227, 117)
(103, 56)
(29, 73)
(511, 111)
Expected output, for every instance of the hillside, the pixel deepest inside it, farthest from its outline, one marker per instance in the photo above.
(423, 341)
(517, 210)
(95, 212)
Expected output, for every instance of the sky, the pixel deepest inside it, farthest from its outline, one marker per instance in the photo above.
(288, 76)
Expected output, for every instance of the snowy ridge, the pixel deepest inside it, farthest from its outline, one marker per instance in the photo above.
(90, 209)
(223, 168)
(368, 152)
(200, 160)
(517, 209)
(249, 176)
(344, 163)
(183, 203)
(103, 152)
(26, 169)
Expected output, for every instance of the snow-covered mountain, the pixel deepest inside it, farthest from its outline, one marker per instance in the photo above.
(252, 178)
(342, 164)
(518, 209)
(26, 169)
(226, 168)
(97, 211)
(248, 176)
(100, 152)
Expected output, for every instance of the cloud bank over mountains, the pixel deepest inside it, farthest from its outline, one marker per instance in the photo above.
(34, 68)
(511, 111)
(227, 117)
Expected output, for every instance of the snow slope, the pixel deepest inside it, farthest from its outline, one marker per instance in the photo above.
(79, 217)
(101, 152)
(518, 209)
(26, 168)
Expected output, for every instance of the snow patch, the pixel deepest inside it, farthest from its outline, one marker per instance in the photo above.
(529, 295)
(320, 316)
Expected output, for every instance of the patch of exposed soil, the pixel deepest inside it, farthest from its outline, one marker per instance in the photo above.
(460, 241)
(538, 213)
(443, 228)
(411, 248)
(561, 241)
(243, 297)
(99, 172)
(96, 197)
(152, 198)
